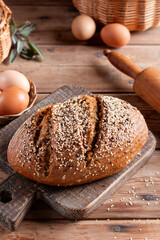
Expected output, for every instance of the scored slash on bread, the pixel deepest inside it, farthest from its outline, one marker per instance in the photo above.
(84, 139)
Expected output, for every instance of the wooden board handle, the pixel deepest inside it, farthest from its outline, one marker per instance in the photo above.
(16, 197)
(122, 63)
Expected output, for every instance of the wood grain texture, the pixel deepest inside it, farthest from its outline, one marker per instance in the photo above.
(77, 202)
(83, 66)
(142, 191)
(21, 192)
(88, 56)
(53, 23)
(38, 3)
(150, 78)
(72, 202)
(3, 175)
(58, 34)
(87, 230)
(146, 81)
(122, 63)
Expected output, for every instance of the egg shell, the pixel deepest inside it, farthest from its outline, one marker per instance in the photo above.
(115, 35)
(13, 100)
(83, 27)
(12, 78)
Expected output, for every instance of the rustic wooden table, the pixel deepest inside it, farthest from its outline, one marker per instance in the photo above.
(133, 211)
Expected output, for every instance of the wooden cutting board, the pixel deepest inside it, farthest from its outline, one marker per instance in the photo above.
(18, 193)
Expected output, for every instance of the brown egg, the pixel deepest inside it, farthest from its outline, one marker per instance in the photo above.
(12, 78)
(13, 100)
(83, 27)
(115, 35)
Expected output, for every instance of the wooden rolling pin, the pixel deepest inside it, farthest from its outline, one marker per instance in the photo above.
(147, 81)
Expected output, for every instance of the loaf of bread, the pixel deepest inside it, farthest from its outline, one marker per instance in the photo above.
(84, 139)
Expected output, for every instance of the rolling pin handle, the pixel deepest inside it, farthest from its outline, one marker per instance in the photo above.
(122, 63)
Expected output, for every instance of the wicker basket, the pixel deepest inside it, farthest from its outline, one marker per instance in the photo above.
(5, 38)
(136, 15)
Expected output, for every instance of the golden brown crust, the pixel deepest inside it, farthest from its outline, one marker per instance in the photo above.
(81, 140)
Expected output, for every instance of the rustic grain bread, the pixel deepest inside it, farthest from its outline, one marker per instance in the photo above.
(81, 140)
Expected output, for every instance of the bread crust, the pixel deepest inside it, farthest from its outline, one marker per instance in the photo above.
(81, 140)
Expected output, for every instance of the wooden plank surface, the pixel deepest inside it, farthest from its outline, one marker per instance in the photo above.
(95, 230)
(77, 202)
(89, 56)
(73, 202)
(142, 191)
(53, 23)
(64, 54)
(144, 184)
(83, 66)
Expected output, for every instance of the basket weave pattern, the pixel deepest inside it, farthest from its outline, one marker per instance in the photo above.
(5, 38)
(136, 15)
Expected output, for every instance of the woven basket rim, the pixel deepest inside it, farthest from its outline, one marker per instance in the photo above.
(136, 15)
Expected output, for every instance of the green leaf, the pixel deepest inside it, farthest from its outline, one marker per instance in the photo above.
(19, 46)
(13, 28)
(27, 53)
(23, 55)
(26, 38)
(22, 25)
(27, 30)
(14, 39)
(13, 55)
(36, 49)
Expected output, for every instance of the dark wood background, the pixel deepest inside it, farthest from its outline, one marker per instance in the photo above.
(133, 211)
